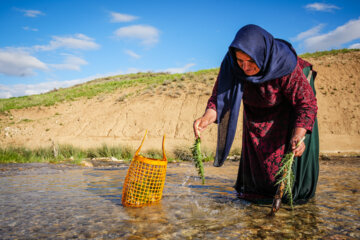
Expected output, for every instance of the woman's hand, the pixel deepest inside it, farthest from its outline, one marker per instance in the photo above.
(201, 123)
(298, 134)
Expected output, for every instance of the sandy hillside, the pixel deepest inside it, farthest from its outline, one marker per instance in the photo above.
(171, 109)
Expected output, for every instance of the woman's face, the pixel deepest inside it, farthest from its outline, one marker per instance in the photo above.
(246, 63)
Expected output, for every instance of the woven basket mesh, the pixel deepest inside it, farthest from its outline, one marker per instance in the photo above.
(145, 179)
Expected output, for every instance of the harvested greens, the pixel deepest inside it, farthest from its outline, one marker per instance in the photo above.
(198, 158)
(286, 181)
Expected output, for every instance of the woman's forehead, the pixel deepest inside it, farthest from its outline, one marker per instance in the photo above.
(242, 55)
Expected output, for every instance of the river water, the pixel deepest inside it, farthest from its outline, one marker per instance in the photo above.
(46, 201)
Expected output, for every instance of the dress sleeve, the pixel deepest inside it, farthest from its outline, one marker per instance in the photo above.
(211, 104)
(298, 91)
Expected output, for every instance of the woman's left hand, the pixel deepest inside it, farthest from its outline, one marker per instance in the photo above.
(298, 134)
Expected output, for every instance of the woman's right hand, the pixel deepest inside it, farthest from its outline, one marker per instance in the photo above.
(200, 124)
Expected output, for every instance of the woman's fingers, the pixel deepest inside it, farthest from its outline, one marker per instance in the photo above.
(196, 128)
(299, 150)
(200, 125)
(297, 145)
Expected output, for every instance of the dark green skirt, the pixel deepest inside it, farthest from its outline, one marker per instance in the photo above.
(306, 167)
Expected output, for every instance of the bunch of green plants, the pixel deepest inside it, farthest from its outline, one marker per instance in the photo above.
(198, 158)
(287, 175)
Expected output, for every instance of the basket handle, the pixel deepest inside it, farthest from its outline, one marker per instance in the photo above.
(142, 142)
(163, 148)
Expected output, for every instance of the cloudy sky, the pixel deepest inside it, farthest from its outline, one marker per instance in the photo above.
(51, 44)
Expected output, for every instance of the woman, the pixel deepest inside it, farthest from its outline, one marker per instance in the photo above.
(279, 110)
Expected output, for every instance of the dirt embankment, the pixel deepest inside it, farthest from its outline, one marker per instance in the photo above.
(171, 109)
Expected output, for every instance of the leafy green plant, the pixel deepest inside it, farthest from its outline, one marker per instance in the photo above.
(287, 176)
(198, 158)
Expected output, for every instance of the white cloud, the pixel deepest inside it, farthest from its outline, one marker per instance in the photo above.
(26, 28)
(323, 7)
(31, 13)
(5, 92)
(120, 17)
(77, 41)
(355, 46)
(148, 35)
(71, 63)
(132, 54)
(334, 39)
(30, 89)
(311, 32)
(15, 62)
(180, 69)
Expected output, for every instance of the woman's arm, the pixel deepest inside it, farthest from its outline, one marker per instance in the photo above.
(209, 116)
(298, 91)
(200, 124)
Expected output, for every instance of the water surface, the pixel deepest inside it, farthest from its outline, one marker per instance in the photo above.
(45, 201)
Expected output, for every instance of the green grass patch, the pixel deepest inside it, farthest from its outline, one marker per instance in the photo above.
(74, 155)
(65, 153)
(25, 120)
(184, 154)
(326, 53)
(100, 86)
(86, 90)
(125, 153)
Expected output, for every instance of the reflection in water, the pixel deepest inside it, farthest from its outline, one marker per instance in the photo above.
(57, 202)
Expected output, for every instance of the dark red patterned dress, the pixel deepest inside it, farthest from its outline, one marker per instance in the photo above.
(271, 111)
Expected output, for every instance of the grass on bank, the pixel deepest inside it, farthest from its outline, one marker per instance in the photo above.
(64, 154)
(74, 155)
(98, 86)
(110, 84)
(333, 52)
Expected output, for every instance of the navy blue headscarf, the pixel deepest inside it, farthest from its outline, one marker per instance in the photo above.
(274, 57)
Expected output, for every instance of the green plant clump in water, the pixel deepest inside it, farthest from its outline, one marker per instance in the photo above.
(287, 175)
(197, 156)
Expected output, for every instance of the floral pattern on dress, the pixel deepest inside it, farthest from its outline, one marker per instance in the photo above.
(271, 111)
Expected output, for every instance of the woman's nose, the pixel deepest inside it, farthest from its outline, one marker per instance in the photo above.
(245, 65)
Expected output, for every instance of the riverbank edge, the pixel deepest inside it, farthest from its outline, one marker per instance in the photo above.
(114, 162)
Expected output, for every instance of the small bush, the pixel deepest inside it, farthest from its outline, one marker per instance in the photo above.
(183, 154)
(166, 82)
(153, 153)
(235, 151)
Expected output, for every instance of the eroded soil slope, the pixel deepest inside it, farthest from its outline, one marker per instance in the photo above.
(171, 108)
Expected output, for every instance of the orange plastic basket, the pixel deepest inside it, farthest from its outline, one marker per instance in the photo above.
(145, 179)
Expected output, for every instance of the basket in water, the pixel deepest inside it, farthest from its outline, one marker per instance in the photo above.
(145, 179)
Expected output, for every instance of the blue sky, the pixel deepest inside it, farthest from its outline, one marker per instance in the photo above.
(51, 44)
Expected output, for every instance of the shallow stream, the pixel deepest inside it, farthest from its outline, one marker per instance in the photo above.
(45, 201)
